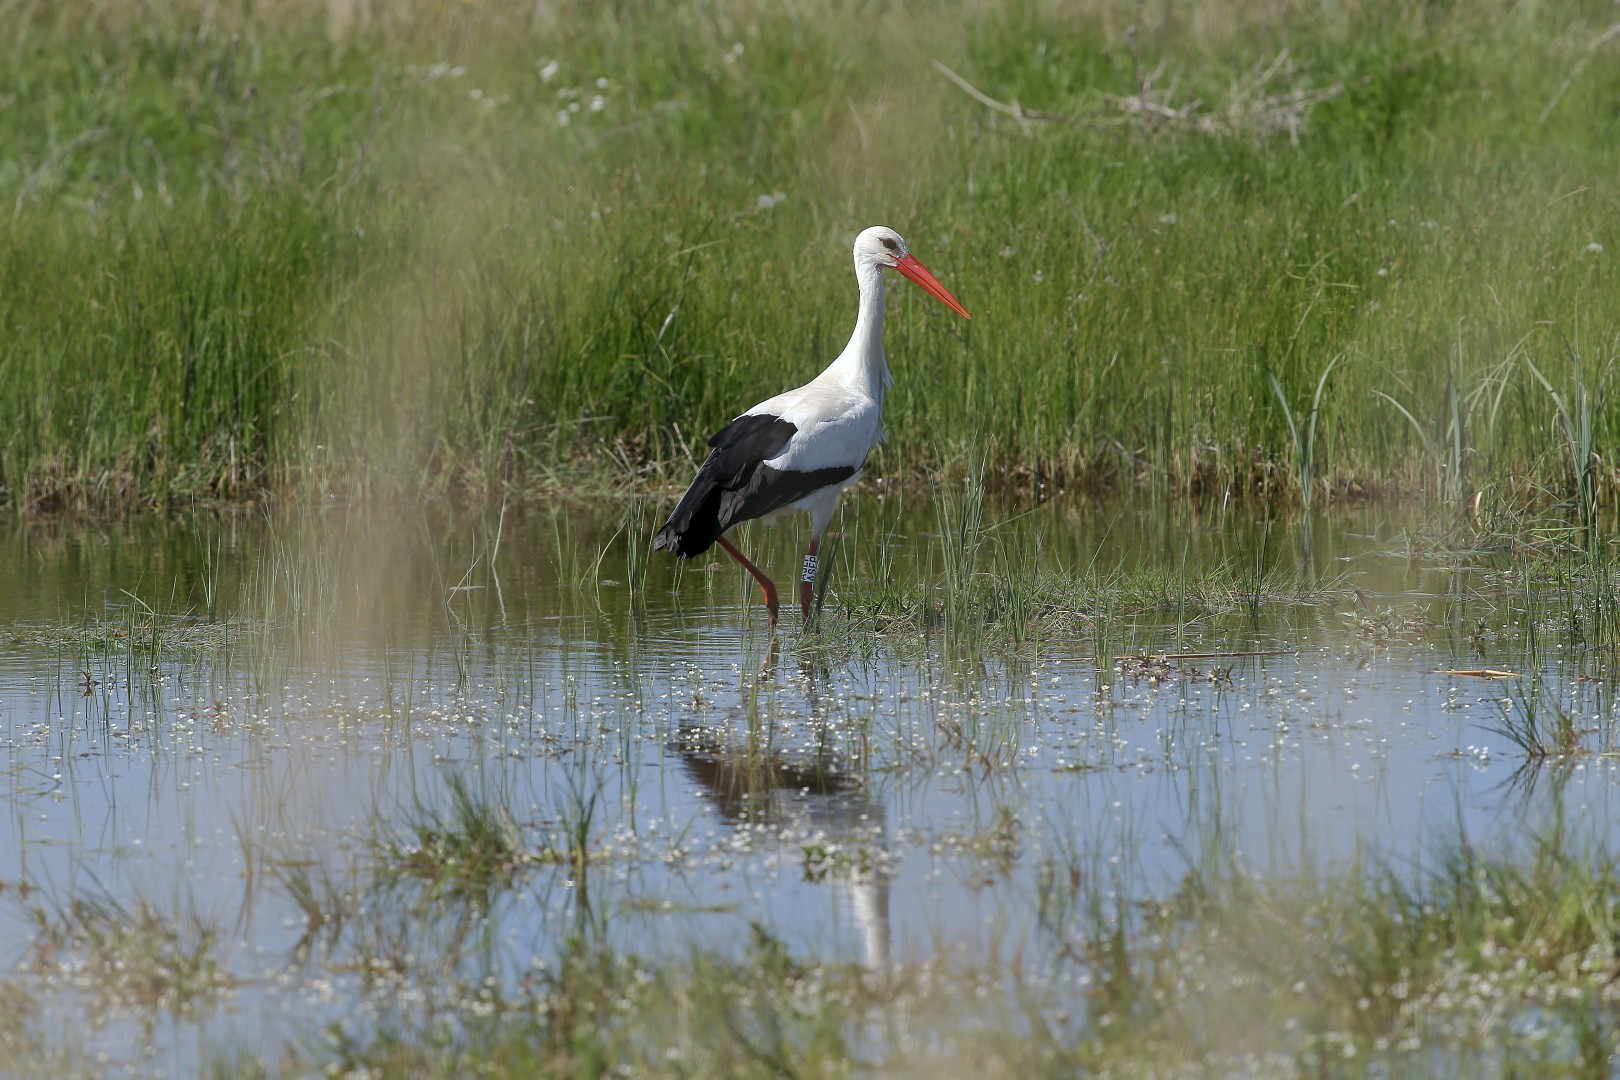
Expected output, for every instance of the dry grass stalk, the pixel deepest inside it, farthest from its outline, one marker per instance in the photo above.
(1250, 110)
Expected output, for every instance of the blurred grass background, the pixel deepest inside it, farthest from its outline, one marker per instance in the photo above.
(372, 249)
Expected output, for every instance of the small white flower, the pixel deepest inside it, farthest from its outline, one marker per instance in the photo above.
(765, 202)
(598, 103)
(601, 83)
(562, 117)
(548, 70)
(1594, 248)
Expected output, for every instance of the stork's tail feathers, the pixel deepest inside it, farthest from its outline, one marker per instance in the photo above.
(695, 525)
(735, 453)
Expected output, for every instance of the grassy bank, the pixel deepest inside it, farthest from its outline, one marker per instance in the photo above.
(303, 247)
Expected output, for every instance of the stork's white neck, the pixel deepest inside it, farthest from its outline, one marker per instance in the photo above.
(862, 364)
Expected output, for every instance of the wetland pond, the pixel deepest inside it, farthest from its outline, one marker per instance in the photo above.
(277, 781)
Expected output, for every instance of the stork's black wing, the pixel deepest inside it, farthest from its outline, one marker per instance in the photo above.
(735, 484)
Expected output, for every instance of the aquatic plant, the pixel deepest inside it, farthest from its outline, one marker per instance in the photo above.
(130, 955)
(465, 850)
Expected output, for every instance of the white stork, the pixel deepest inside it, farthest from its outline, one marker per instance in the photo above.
(799, 450)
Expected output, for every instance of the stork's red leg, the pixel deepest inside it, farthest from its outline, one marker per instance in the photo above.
(766, 585)
(807, 578)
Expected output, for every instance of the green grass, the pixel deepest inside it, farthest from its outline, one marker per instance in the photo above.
(467, 851)
(998, 584)
(1476, 961)
(145, 634)
(1014, 606)
(347, 249)
(1456, 962)
(1490, 964)
(130, 955)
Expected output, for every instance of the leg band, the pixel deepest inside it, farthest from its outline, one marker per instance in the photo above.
(809, 573)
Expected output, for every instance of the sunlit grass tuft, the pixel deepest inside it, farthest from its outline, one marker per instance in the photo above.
(466, 850)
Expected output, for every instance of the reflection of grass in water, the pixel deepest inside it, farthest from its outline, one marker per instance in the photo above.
(1493, 961)
(1565, 581)
(793, 1003)
(764, 1012)
(326, 900)
(132, 956)
(1541, 730)
(1476, 951)
(468, 849)
(430, 879)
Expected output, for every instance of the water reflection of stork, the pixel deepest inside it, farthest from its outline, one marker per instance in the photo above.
(797, 801)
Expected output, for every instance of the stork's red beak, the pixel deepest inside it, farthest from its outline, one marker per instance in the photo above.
(917, 272)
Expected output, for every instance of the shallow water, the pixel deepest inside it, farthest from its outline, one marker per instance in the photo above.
(202, 714)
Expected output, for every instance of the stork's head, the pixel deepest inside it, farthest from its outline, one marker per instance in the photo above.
(884, 248)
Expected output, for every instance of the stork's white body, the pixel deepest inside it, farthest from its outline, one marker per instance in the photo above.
(800, 449)
(839, 413)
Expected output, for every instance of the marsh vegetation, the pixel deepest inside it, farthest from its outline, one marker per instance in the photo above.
(469, 248)
(355, 757)
(506, 796)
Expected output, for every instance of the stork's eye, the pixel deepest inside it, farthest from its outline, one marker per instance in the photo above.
(890, 244)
